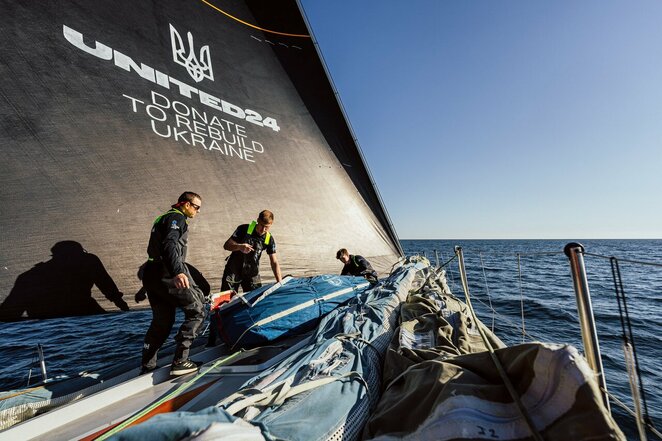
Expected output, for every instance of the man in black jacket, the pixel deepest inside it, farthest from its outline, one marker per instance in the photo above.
(172, 283)
(356, 265)
(247, 243)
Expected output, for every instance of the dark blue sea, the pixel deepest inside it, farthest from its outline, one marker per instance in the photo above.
(508, 279)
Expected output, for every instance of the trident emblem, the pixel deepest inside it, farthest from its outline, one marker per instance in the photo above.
(198, 68)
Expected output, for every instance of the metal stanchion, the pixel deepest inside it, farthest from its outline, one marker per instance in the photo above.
(575, 251)
(42, 362)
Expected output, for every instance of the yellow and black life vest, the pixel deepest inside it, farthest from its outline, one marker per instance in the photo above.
(251, 228)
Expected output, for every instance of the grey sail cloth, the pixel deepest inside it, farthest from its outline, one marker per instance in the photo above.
(105, 123)
(440, 382)
(324, 391)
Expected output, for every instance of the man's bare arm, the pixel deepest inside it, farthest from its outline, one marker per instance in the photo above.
(231, 245)
(275, 267)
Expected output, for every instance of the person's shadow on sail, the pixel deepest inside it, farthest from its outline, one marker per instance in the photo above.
(61, 286)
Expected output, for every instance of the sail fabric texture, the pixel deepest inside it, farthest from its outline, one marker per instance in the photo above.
(208, 424)
(291, 309)
(326, 390)
(114, 108)
(433, 321)
(464, 398)
(440, 382)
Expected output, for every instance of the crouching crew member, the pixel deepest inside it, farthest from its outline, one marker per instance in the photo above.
(247, 243)
(172, 283)
(356, 265)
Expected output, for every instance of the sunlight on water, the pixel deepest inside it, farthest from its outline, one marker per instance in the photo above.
(541, 277)
(75, 344)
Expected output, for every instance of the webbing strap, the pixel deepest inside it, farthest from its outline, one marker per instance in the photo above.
(277, 394)
(172, 210)
(298, 307)
(271, 290)
(128, 422)
(251, 228)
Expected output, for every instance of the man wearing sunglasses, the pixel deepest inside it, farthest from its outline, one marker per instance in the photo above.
(247, 243)
(172, 283)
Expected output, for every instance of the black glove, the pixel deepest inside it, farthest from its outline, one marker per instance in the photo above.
(121, 304)
(140, 295)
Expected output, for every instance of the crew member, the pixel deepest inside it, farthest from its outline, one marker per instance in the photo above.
(172, 283)
(247, 243)
(356, 265)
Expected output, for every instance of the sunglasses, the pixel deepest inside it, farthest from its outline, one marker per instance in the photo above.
(197, 207)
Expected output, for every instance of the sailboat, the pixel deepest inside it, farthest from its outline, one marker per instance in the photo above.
(121, 105)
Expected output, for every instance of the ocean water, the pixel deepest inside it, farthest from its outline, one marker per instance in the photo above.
(508, 279)
(511, 279)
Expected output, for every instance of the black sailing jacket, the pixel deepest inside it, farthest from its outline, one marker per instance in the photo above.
(167, 242)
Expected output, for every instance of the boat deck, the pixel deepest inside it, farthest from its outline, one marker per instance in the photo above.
(153, 393)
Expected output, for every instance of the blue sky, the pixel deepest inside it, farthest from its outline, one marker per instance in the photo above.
(504, 119)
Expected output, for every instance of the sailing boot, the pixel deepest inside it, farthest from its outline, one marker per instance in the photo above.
(183, 367)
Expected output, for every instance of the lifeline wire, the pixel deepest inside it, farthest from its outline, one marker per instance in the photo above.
(539, 253)
(639, 262)
(628, 335)
(521, 294)
(502, 373)
(450, 270)
(616, 276)
(487, 288)
(505, 319)
(448, 261)
(629, 411)
(490, 307)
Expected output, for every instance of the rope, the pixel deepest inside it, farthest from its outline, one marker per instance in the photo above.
(400, 260)
(252, 25)
(448, 261)
(450, 269)
(490, 307)
(276, 395)
(639, 262)
(502, 373)
(521, 294)
(487, 288)
(636, 398)
(629, 411)
(512, 324)
(357, 336)
(21, 392)
(539, 253)
(126, 423)
(628, 341)
(633, 366)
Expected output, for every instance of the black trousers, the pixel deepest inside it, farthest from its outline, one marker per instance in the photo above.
(164, 299)
(233, 280)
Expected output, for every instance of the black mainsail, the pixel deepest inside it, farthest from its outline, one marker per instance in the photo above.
(110, 109)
